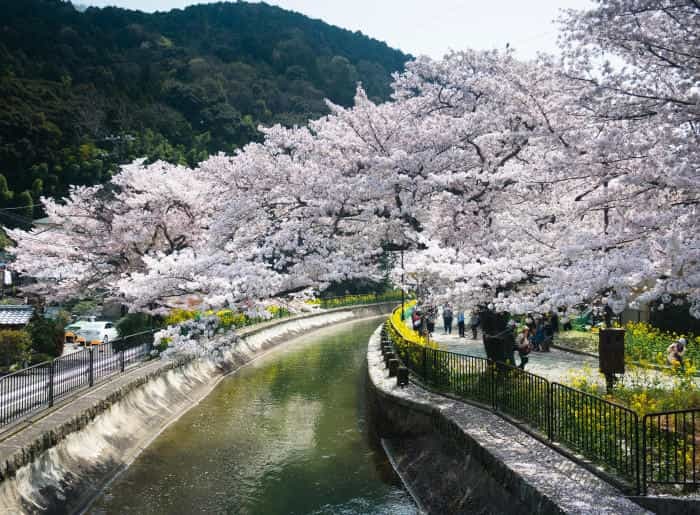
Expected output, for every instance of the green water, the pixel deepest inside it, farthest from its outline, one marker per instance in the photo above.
(288, 434)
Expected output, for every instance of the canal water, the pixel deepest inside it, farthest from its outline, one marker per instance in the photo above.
(289, 434)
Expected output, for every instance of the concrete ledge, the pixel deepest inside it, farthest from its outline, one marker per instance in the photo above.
(62, 459)
(490, 464)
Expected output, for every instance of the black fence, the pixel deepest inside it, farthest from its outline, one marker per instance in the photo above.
(660, 449)
(40, 386)
(670, 448)
(602, 431)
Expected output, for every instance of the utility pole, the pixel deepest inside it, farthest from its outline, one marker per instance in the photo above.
(403, 286)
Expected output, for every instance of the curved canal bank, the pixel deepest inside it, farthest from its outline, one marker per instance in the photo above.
(288, 434)
(64, 458)
(460, 458)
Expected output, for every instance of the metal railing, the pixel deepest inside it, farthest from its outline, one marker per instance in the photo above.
(359, 299)
(662, 448)
(602, 431)
(670, 448)
(40, 386)
(523, 396)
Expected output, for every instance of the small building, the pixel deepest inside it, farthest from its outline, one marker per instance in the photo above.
(15, 316)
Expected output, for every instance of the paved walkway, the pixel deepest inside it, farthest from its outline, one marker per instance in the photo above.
(513, 456)
(555, 365)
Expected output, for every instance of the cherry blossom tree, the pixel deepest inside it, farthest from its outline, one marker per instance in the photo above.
(517, 186)
(100, 233)
(637, 65)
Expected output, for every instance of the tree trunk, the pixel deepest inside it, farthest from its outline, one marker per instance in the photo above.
(499, 339)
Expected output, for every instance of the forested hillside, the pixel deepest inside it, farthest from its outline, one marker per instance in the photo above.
(81, 92)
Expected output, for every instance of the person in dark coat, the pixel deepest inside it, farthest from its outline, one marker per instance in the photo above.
(538, 338)
(555, 322)
(474, 323)
(430, 319)
(460, 323)
(548, 335)
(447, 318)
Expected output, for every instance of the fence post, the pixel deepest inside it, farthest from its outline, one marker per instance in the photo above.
(91, 375)
(494, 384)
(434, 367)
(121, 360)
(425, 364)
(644, 458)
(51, 376)
(550, 412)
(637, 453)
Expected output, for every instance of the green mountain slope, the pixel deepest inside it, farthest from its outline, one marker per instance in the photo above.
(81, 92)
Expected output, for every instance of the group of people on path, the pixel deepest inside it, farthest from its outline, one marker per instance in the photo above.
(425, 318)
(536, 335)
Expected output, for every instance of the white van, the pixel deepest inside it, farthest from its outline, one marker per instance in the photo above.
(94, 332)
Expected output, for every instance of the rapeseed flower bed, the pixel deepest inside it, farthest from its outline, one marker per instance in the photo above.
(227, 318)
(646, 342)
(405, 332)
(352, 300)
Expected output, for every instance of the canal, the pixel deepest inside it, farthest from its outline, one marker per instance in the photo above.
(288, 434)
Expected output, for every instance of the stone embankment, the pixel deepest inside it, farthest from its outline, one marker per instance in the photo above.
(458, 458)
(58, 461)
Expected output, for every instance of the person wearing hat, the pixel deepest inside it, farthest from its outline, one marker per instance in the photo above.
(675, 352)
(523, 346)
(416, 319)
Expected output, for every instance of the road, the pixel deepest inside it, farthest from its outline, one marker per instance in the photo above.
(24, 393)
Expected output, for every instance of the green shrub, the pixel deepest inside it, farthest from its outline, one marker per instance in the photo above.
(14, 347)
(137, 323)
(48, 336)
(35, 359)
(86, 307)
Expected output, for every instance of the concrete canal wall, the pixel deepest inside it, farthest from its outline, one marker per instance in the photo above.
(457, 458)
(65, 457)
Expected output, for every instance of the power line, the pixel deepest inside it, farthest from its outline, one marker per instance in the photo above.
(17, 218)
(33, 207)
(50, 243)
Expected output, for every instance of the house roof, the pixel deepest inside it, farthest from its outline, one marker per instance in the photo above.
(15, 314)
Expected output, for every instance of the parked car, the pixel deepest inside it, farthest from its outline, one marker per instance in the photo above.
(93, 333)
(71, 332)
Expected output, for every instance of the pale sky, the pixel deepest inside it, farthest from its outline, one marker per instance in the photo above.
(430, 27)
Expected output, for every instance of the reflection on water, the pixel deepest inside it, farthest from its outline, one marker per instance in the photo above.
(286, 435)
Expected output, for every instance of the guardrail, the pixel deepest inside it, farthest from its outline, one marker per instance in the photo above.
(671, 448)
(661, 448)
(40, 386)
(360, 299)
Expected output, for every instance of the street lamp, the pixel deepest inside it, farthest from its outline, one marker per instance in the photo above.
(403, 287)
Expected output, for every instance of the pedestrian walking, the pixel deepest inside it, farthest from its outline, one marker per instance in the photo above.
(548, 335)
(523, 346)
(530, 323)
(430, 319)
(416, 318)
(513, 336)
(566, 322)
(538, 338)
(460, 322)
(474, 322)
(555, 322)
(447, 318)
